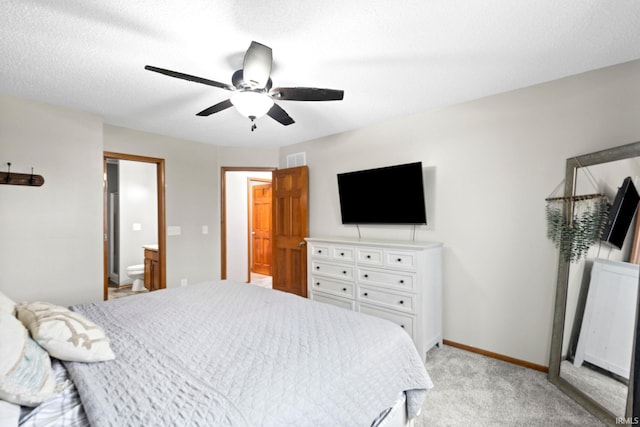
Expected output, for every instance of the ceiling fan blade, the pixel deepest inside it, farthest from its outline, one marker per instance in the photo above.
(189, 77)
(278, 114)
(257, 65)
(306, 94)
(215, 108)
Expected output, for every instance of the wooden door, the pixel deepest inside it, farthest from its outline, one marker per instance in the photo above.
(261, 229)
(290, 227)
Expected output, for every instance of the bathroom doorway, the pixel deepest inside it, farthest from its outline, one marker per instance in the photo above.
(246, 239)
(134, 224)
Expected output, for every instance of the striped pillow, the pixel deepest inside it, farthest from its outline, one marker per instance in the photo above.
(26, 377)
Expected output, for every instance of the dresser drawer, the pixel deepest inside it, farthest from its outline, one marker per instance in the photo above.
(370, 256)
(387, 278)
(400, 259)
(339, 253)
(332, 286)
(343, 253)
(319, 251)
(333, 270)
(399, 281)
(333, 300)
(398, 301)
(405, 321)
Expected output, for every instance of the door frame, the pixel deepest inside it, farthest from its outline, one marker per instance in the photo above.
(162, 237)
(250, 258)
(223, 209)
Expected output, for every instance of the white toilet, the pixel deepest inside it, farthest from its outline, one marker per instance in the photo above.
(136, 272)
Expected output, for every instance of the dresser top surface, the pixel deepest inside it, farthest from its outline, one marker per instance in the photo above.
(408, 244)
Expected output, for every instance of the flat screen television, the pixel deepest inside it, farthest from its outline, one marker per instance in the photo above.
(621, 214)
(387, 195)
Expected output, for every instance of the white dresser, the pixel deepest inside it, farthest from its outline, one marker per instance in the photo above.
(608, 325)
(397, 281)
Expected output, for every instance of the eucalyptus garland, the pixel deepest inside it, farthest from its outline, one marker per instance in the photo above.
(574, 237)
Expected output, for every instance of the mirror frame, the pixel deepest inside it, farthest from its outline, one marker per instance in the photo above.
(633, 405)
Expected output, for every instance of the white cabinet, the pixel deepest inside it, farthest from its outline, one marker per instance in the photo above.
(606, 335)
(397, 281)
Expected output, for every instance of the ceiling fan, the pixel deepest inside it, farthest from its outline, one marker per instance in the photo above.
(253, 94)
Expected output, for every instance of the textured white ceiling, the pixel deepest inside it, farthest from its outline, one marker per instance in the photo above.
(391, 58)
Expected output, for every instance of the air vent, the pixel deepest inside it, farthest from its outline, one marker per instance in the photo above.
(296, 159)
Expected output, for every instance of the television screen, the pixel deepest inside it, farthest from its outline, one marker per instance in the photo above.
(388, 195)
(621, 214)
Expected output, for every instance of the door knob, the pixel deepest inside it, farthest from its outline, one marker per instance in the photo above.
(301, 244)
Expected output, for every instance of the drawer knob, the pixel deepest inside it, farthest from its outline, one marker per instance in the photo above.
(401, 281)
(401, 302)
(344, 272)
(399, 260)
(344, 289)
(319, 251)
(368, 256)
(366, 294)
(317, 267)
(317, 283)
(402, 326)
(366, 276)
(341, 253)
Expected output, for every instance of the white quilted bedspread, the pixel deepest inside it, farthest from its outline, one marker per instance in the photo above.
(230, 354)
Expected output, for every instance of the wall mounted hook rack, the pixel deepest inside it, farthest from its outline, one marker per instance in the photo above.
(12, 178)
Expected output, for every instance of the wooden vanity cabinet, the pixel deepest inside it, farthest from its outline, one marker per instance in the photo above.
(151, 269)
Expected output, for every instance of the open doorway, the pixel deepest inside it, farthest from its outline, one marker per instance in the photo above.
(259, 227)
(246, 225)
(134, 224)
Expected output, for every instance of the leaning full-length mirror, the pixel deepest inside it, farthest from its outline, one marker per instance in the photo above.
(595, 322)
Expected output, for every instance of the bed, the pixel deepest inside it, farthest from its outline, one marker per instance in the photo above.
(229, 354)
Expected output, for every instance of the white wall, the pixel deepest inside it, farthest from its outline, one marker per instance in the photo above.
(191, 189)
(51, 236)
(245, 157)
(490, 165)
(192, 195)
(138, 194)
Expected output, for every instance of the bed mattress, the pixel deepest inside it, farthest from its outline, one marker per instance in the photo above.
(230, 354)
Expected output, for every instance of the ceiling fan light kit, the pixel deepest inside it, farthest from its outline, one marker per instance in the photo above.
(252, 104)
(253, 95)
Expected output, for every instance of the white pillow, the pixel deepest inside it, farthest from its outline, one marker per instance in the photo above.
(7, 305)
(26, 377)
(65, 334)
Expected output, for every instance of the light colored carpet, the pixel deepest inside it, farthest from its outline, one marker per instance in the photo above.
(611, 393)
(261, 280)
(474, 390)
